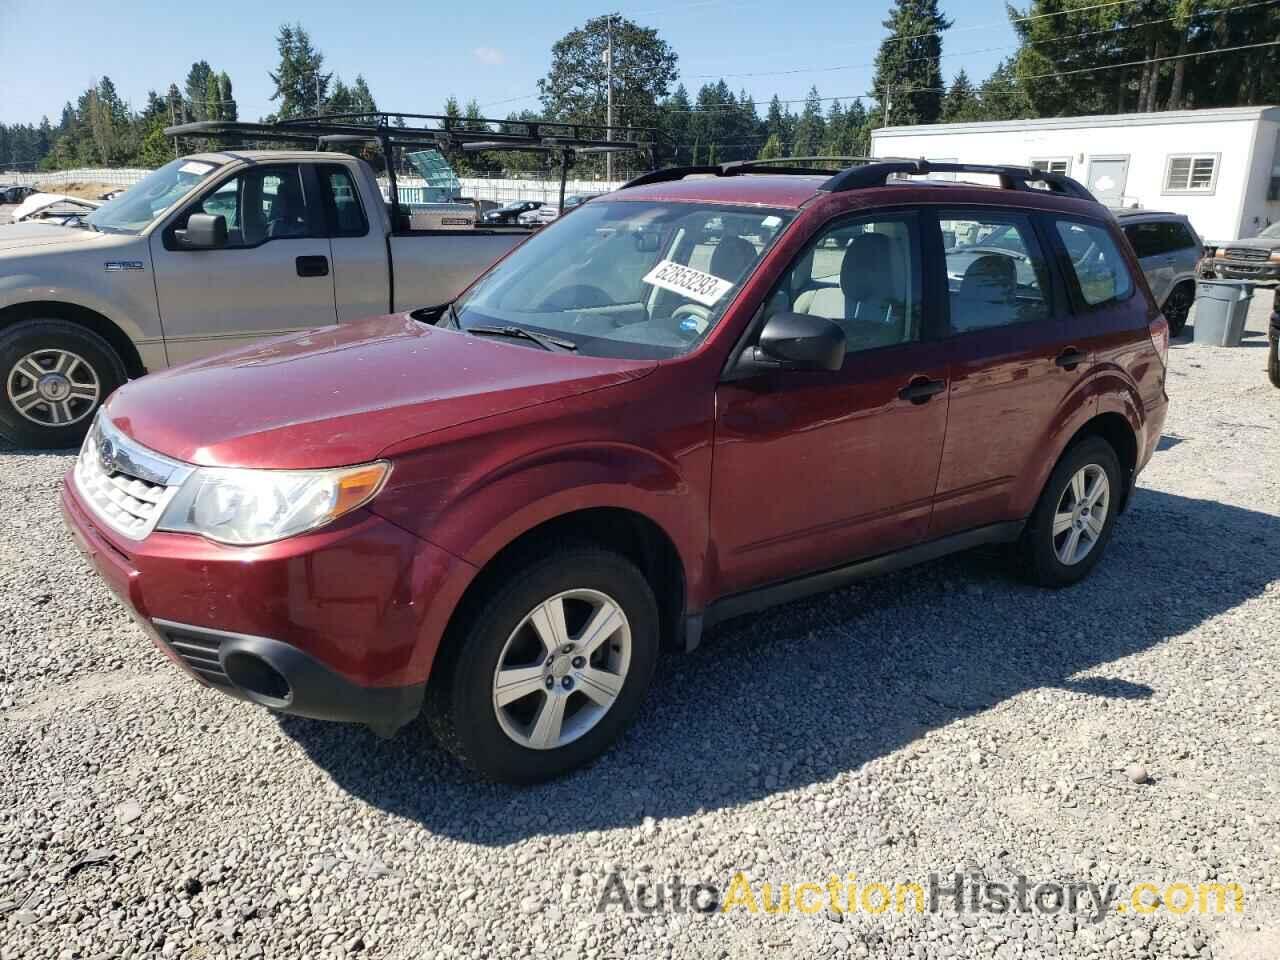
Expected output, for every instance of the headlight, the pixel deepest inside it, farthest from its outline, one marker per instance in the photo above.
(245, 507)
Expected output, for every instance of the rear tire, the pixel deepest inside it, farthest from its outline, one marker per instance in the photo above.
(1073, 520)
(53, 377)
(1177, 307)
(549, 715)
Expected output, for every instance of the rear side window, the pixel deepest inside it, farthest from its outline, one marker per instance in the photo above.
(346, 216)
(996, 273)
(1178, 237)
(1100, 268)
(1158, 237)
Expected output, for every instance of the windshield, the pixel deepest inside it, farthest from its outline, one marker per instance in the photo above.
(151, 196)
(625, 278)
(1272, 232)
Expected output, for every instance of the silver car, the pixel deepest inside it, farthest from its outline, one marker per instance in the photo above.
(1168, 248)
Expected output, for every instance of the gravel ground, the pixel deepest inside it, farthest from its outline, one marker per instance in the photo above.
(942, 719)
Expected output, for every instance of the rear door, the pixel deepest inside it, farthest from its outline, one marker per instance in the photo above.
(361, 259)
(1012, 362)
(272, 276)
(816, 469)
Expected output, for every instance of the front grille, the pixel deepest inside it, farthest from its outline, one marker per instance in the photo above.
(126, 485)
(198, 650)
(1248, 253)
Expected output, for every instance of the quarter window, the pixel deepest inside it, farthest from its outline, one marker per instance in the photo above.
(1191, 173)
(346, 215)
(996, 274)
(864, 275)
(1100, 268)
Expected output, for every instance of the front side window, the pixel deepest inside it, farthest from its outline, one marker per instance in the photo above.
(996, 274)
(626, 278)
(1191, 173)
(1100, 269)
(864, 275)
(260, 204)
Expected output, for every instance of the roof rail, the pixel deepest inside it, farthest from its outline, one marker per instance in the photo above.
(1011, 178)
(794, 166)
(869, 172)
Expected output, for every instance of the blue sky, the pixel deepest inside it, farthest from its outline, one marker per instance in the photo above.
(415, 57)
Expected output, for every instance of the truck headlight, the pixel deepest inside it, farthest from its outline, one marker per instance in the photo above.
(246, 507)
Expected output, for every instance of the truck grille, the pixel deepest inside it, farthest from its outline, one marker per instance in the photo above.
(1248, 253)
(126, 485)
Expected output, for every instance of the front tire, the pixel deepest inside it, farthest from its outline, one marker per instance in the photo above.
(549, 668)
(1073, 520)
(53, 377)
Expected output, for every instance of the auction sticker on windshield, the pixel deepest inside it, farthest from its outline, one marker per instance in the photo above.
(705, 288)
(196, 167)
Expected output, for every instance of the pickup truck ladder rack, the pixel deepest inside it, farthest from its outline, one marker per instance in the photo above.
(431, 130)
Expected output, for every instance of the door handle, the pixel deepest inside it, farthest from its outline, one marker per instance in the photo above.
(922, 389)
(1071, 358)
(312, 266)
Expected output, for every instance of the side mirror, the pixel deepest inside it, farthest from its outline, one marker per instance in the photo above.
(794, 341)
(204, 232)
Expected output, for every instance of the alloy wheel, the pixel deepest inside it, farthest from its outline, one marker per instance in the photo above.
(53, 387)
(1081, 514)
(562, 669)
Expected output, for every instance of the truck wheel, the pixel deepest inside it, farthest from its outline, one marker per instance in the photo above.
(1072, 522)
(1177, 307)
(53, 377)
(550, 669)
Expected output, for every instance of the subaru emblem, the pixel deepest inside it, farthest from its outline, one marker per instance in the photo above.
(107, 454)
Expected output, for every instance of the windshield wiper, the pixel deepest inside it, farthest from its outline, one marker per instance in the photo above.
(520, 333)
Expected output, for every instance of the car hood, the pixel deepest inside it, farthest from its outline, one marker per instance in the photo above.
(342, 395)
(1256, 243)
(25, 237)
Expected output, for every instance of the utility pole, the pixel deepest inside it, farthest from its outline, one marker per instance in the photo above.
(173, 122)
(317, 92)
(608, 157)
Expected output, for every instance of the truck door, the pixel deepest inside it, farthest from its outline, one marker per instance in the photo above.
(273, 275)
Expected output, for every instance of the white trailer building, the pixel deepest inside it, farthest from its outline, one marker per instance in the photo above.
(1219, 167)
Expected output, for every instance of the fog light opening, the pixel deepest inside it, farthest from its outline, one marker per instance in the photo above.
(259, 680)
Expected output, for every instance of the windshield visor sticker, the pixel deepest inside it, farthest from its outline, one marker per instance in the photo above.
(195, 167)
(703, 288)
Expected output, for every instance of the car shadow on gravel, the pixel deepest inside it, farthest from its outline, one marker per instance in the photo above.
(801, 693)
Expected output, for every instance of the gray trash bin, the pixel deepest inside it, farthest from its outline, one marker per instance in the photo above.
(1222, 306)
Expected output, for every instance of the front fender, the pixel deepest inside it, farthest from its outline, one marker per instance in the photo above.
(127, 298)
(489, 509)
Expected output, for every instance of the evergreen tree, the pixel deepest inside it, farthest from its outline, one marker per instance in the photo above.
(197, 90)
(301, 83)
(810, 128)
(229, 110)
(772, 148)
(961, 103)
(1002, 97)
(908, 77)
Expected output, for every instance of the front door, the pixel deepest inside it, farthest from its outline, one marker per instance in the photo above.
(1108, 177)
(274, 274)
(813, 470)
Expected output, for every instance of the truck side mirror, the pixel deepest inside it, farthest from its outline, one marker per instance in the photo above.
(204, 232)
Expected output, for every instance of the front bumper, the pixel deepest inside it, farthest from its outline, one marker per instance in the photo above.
(1264, 271)
(331, 625)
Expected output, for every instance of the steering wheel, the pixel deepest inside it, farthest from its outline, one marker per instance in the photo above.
(699, 318)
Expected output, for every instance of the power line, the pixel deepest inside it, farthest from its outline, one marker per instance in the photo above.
(968, 53)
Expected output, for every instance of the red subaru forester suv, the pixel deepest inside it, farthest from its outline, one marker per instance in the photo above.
(715, 389)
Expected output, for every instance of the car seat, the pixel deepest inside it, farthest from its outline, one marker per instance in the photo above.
(988, 294)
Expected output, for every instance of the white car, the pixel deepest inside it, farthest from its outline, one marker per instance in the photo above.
(540, 217)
